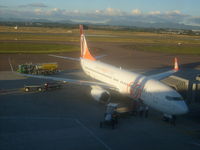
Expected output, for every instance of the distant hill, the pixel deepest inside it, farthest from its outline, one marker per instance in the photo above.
(169, 25)
(113, 22)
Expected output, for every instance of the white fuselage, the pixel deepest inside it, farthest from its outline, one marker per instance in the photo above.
(152, 92)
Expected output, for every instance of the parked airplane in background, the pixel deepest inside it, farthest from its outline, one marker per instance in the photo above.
(148, 89)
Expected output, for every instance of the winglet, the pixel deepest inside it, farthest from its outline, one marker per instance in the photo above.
(176, 67)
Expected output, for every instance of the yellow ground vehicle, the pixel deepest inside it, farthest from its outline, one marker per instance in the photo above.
(44, 68)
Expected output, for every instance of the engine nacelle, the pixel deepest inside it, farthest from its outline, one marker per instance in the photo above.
(100, 94)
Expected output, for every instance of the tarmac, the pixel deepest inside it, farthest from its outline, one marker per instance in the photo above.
(69, 118)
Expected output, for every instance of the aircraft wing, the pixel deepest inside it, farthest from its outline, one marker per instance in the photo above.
(75, 59)
(163, 75)
(73, 81)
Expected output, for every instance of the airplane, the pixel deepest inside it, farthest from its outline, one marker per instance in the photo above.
(147, 89)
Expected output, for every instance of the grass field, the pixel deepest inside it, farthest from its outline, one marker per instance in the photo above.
(11, 41)
(170, 48)
(9, 47)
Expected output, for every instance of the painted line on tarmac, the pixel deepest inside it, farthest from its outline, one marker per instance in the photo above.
(92, 133)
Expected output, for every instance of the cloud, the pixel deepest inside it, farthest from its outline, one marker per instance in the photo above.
(173, 12)
(136, 12)
(113, 12)
(55, 9)
(107, 12)
(105, 15)
(154, 13)
(38, 11)
(76, 11)
(98, 11)
(62, 13)
(40, 5)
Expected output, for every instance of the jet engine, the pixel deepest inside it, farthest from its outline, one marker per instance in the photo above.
(100, 94)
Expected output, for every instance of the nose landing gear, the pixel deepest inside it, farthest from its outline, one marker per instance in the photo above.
(170, 119)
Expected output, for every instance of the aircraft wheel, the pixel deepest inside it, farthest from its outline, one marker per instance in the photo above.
(26, 89)
(39, 89)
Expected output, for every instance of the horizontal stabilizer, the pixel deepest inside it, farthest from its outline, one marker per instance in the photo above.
(75, 59)
(100, 56)
(64, 57)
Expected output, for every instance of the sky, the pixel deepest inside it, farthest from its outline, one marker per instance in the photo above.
(190, 7)
(96, 9)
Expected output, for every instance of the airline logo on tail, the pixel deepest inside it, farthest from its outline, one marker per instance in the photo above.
(85, 53)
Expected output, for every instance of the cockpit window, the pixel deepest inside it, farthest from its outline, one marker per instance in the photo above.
(174, 98)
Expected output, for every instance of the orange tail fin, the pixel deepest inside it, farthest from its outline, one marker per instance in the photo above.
(85, 53)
